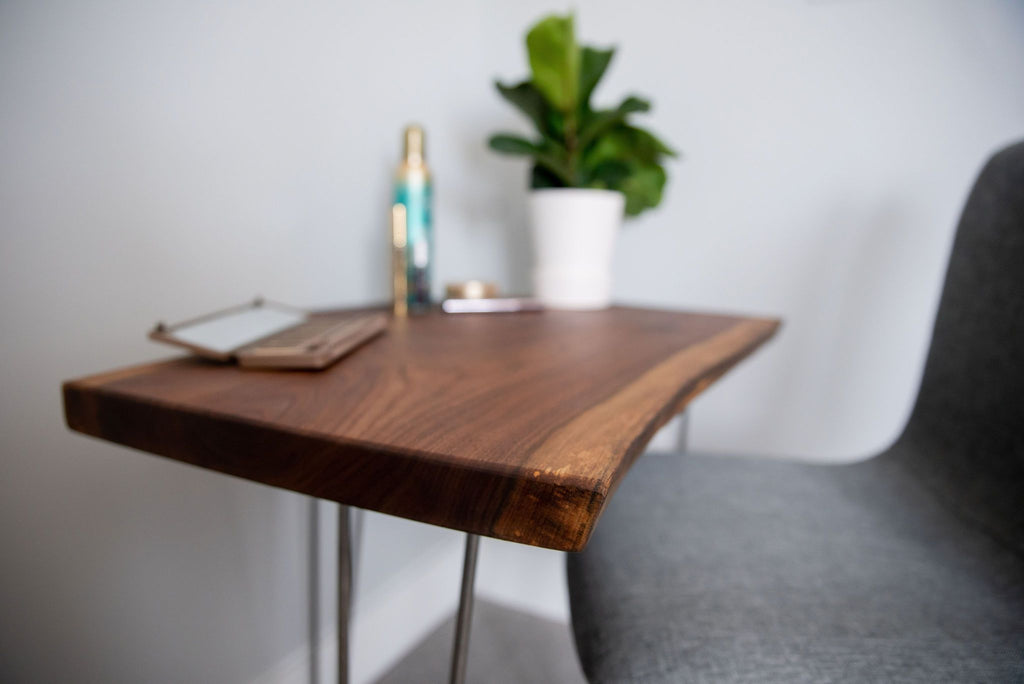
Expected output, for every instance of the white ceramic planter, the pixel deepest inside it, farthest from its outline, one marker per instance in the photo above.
(574, 232)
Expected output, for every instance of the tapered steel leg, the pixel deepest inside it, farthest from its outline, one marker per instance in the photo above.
(683, 436)
(462, 624)
(344, 590)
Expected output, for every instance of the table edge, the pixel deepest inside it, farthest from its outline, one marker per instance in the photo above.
(563, 526)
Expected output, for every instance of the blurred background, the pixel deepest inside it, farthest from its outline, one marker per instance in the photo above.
(159, 159)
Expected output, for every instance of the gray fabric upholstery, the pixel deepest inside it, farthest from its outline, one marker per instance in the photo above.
(714, 569)
(908, 567)
(965, 437)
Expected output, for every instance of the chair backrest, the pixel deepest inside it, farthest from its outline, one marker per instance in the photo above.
(965, 437)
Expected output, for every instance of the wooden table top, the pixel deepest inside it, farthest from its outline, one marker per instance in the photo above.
(515, 426)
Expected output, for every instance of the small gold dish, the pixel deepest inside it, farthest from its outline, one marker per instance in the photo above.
(471, 289)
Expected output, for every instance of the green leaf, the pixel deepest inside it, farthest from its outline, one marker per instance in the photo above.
(626, 143)
(548, 155)
(555, 61)
(609, 174)
(612, 146)
(556, 127)
(529, 101)
(593, 63)
(643, 188)
(512, 144)
(647, 144)
(600, 121)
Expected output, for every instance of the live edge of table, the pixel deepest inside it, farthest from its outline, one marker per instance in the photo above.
(515, 426)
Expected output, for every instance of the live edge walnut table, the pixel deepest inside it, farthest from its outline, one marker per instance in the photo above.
(514, 426)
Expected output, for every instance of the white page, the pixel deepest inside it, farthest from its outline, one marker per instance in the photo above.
(227, 333)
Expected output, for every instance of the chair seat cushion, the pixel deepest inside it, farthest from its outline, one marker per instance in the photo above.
(720, 569)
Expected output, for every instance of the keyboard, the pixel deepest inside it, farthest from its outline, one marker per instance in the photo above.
(315, 343)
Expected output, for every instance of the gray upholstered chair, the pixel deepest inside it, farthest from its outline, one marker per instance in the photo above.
(905, 567)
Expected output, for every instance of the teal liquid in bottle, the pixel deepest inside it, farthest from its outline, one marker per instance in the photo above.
(412, 189)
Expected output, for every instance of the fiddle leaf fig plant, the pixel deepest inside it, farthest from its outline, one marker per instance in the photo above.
(577, 145)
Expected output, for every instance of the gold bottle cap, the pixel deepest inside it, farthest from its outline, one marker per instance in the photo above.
(413, 145)
(471, 289)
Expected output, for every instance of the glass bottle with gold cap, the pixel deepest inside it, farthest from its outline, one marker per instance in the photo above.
(412, 189)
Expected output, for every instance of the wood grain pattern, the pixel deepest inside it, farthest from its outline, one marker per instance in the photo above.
(516, 426)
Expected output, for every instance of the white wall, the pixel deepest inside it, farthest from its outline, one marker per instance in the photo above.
(158, 159)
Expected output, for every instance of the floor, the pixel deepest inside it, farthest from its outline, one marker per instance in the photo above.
(506, 646)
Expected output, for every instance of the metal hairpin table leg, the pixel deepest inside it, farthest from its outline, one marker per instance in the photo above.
(344, 590)
(459, 652)
(683, 436)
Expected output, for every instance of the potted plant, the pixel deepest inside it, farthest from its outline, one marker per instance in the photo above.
(591, 166)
